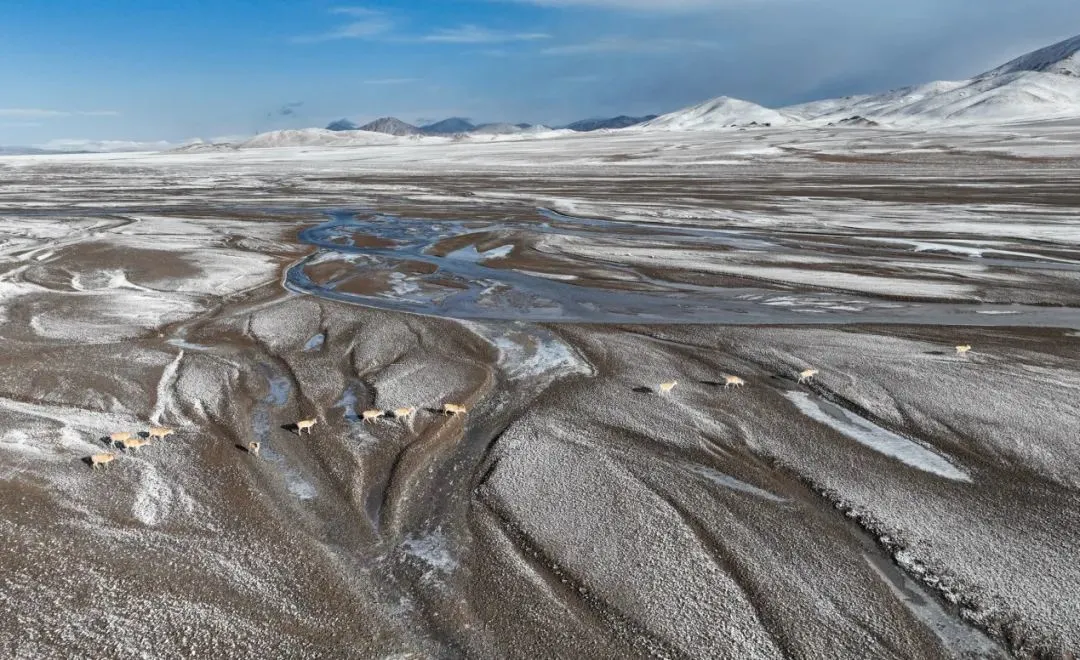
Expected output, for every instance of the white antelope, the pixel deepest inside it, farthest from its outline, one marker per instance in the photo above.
(733, 381)
(454, 409)
(100, 460)
(120, 437)
(963, 349)
(404, 413)
(134, 443)
(372, 415)
(160, 432)
(253, 448)
(668, 386)
(807, 374)
(305, 424)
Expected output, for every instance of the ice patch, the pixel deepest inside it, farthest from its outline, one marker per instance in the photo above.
(168, 377)
(470, 253)
(870, 435)
(963, 640)
(433, 550)
(315, 342)
(348, 402)
(562, 277)
(300, 488)
(530, 352)
(728, 481)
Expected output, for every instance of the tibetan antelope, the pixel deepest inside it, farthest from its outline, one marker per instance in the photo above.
(100, 460)
(963, 349)
(807, 374)
(305, 424)
(372, 415)
(120, 437)
(160, 432)
(404, 413)
(454, 409)
(668, 386)
(134, 443)
(733, 381)
(253, 448)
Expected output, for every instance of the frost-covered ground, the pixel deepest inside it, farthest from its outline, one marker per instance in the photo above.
(906, 502)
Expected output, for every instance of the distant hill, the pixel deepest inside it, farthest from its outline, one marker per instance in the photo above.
(622, 121)
(341, 125)
(390, 126)
(449, 126)
(33, 151)
(500, 128)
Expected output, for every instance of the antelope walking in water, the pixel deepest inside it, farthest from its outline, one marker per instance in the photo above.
(101, 460)
(733, 381)
(253, 448)
(807, 374)
(372, 415)
(305, 424)
(963, 349)
(160, 432)
(668, 386)
(454, 409)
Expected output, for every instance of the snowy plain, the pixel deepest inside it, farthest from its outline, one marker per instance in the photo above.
(139, 287)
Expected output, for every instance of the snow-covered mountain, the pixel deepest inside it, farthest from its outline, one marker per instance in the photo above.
(1062, 58)
(1017, 96)
(723, 112)
(341, 125)
(1044, 84)
(1041, 85)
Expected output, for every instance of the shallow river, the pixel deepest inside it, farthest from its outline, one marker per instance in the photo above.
(524, 271)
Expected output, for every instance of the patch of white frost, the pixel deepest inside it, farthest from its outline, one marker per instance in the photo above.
(880, 440)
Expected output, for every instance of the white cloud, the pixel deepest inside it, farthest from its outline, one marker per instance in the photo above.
(629, 45)
(39, 113)
(102, 146)
(474, 34)
(391, 81)
(372, 23)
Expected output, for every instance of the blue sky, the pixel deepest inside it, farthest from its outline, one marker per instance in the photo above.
(146, 70)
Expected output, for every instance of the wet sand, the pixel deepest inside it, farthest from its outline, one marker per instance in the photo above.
(905, 502)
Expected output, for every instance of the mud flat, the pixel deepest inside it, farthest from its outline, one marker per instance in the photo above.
(907, 501)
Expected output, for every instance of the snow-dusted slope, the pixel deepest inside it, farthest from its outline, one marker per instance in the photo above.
(1024, 95)
(1044, 84)
(320, 137)
(718, 113)
(1062, 58)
